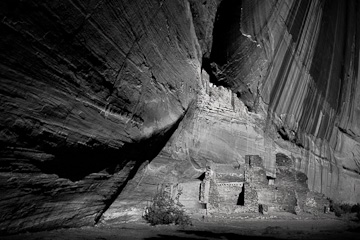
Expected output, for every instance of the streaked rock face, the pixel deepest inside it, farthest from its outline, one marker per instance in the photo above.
(89, 91)
(103, 101)
(303, 59)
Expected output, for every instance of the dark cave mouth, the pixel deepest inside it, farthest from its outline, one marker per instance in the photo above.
(226, 30)
(228, 16)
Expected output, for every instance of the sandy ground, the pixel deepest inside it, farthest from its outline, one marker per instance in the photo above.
(246, 227)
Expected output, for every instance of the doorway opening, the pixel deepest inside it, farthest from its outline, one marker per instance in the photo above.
(241, 198)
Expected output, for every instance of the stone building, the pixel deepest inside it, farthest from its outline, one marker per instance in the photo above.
(225, 190)
(229, 189)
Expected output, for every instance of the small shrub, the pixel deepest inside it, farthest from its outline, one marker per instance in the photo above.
(355, 208)
(340, 209)
(346, 207)
(165, 210)
(335, 207)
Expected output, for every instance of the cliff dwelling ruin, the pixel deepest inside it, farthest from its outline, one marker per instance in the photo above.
(229, 189)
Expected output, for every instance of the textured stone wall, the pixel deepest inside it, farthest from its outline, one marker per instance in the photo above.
(228, 196)
(189, 194)
(289, 193)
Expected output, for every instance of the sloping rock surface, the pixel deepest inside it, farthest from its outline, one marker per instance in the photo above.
(89, 91)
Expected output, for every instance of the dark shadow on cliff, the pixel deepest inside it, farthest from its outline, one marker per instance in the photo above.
(227, 20)
(145, 150)
(226, 30)
(75, 162)
(230, 46)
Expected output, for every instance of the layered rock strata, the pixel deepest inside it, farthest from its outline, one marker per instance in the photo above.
(89, 91)
(304, 58)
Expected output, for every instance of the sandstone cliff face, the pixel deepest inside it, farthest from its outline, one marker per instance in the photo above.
(297, 64)
(103, 101)
(89, 91)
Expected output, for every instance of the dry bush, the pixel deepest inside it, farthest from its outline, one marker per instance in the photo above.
(165, 210)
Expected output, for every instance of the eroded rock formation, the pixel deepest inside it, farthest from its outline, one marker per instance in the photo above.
(103, 101)
(89, 91)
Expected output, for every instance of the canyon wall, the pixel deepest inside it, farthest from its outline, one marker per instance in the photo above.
(89, 91)
(102, 102)
(296, 63)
